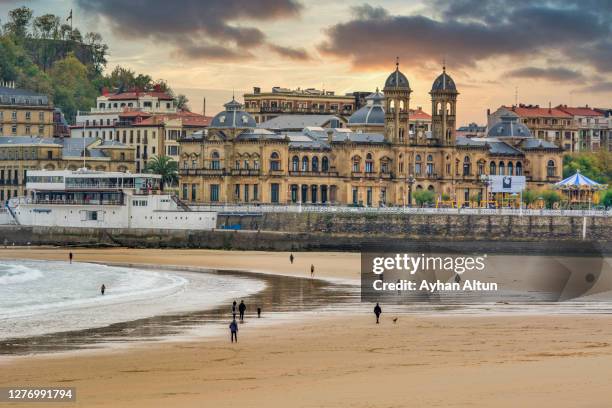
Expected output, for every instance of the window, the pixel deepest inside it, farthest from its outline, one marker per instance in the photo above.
(246, 193)
(492, 169)
(214, 192)
(237, 191)
(14, 115)
(49, 154)
(194, 190)
(551, 170)
(356, 164)
(355, 195)
(502, 170)
(215, 164)
(305, 163)
(274, 162)
(91, 215)
(467, 166)
(185, 189)
(274, 192)
(519, 169)
(369, 197)
(28, 115)
(255, 191)
(294, 193)
(315, 164)
(295, 163)
(324, 164)
(369, 164)
(510, 169)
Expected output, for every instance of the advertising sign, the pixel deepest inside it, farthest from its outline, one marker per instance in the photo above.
(507, 184)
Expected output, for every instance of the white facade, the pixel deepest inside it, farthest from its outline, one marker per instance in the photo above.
(103, 200)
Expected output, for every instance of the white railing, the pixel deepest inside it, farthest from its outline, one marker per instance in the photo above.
(267, 208)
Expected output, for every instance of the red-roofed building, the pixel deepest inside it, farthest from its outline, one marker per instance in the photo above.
(551, 124)
(592, 126)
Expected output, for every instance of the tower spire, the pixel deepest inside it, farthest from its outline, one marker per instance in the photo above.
(444, 64)
(397, 63)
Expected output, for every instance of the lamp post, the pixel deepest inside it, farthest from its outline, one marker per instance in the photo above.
(410, 181)
(486, 181)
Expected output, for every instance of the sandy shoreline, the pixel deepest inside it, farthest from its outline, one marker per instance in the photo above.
(334, 361)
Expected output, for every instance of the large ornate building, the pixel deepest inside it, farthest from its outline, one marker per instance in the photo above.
(370, 163)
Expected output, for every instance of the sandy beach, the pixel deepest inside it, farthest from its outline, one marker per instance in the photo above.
(333, 361)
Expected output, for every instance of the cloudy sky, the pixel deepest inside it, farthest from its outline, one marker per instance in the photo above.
(545, 51)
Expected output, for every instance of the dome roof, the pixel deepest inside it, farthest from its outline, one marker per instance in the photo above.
(397, 79)
(372, 114)
(444, 83)
(509, 127)
(233, 117)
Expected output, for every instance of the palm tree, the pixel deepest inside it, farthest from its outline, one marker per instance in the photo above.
(164, 166)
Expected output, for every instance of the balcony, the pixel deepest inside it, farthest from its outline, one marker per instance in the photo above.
(313, 173)
(276, 173)
(245, 172)
(357, 174)
(202, 172)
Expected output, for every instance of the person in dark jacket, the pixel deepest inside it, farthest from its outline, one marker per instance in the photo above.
(234, 310)
(242, 309)
(233, 331)
(377, 312)
(102, 289)
(291, 258)
(70, 257)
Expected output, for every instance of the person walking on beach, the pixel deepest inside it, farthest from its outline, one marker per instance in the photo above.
(377, 312)
(258, 312)
(291, 259)
(233, 331)
(70, 256)
(312, 271)
(234, 310)
(102, 289)
(242, 309)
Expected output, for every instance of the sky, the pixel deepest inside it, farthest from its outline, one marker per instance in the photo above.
(497, 51)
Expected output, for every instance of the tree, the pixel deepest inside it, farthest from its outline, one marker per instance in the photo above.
(529, 197)
(550, 198)
(181, 101)
(46, 26)
(424, 197)
(606, 199)
(72, 87)
(164, 166)
(596, 165)
(19, 20)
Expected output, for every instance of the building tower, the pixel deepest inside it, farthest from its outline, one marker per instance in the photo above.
(397, 101)
(444, 109)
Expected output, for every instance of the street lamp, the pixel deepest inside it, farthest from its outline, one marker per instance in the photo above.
(410, 181)
(486, 181)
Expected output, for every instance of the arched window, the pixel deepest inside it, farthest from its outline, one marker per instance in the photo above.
(215, 164)
(519, 169)
(417, 165)
(551, 169)
(492, 169)
(324, 164)
(430, 165)
(315, 163)
(510, 169)
(502, 169)
(369, 164)
(274, 162)
(356, 164)
(384, 165)
(305, 163)
(295, 163)
(481, 167)
(467, 166)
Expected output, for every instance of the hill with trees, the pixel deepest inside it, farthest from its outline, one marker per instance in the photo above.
(46, 55)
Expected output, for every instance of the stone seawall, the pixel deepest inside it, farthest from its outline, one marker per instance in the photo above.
(429, 227)
(344, 232)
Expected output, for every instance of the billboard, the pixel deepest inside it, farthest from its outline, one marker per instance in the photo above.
(507, 184)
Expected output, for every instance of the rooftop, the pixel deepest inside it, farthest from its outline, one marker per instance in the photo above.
(297, 121)
(535, 111)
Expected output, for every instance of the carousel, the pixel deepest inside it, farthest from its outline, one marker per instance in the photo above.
(579, 190)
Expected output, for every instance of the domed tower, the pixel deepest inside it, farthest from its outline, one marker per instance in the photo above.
(397, 101)
(371, 117)
(232, 121)
(444, 109)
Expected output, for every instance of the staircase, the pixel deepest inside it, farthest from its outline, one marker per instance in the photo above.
(12, 219)
(180, 204)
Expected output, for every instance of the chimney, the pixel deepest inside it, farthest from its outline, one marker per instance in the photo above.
(549, 107)
(330, 135)
(204, 106)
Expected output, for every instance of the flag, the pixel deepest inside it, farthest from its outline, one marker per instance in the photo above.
(69, 16)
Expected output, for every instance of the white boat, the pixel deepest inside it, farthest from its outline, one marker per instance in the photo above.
(96, 199)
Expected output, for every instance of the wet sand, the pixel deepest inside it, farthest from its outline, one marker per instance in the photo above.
(334, 360)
